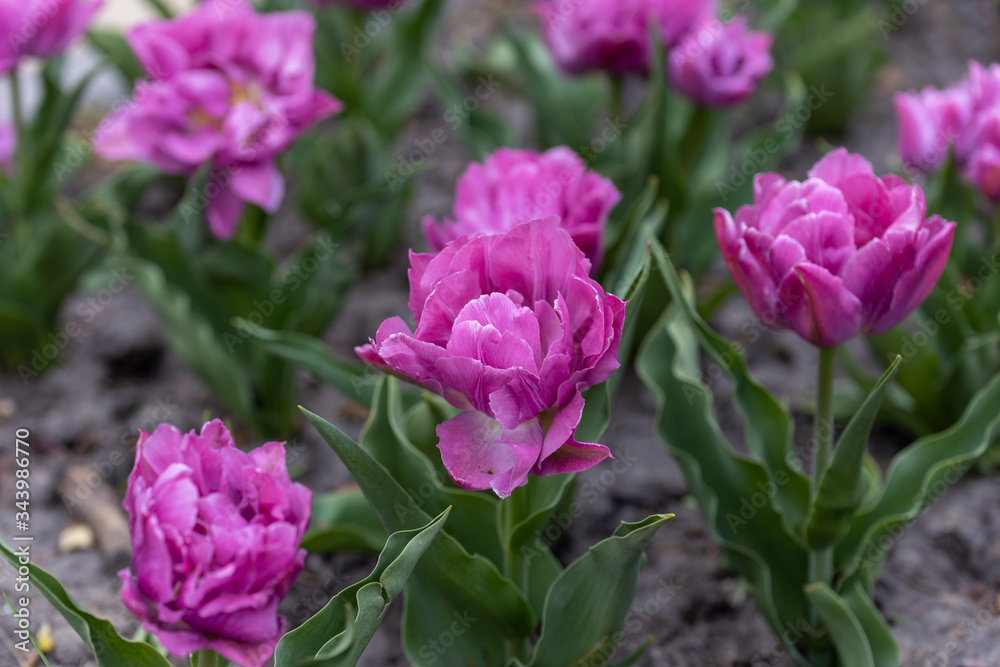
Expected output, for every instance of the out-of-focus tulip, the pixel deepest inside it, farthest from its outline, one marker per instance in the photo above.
(614, 35)
(513, 186)
(42, 28)
(720, 64)
(841, 253)
(215, 542)
(510, 329)
(230, 87)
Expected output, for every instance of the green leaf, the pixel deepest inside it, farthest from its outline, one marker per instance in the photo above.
(841, 486)
(916, 477)
(636, 655)
(386, 438)
(440, 632)
(469, 581)
(768, 425)
(731, 489)
(845, 629)
(354, 380)
(532, 505)
(586, 606)
(339, 633)
(884, 648)
(343, 521)
(193, 340)
(110, 649)
(632, 289)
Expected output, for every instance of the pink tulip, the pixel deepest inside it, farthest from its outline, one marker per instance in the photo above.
(215, 542)
(841, 253)
(510, 329)
(961, 119)
(720, 64)
(42, 28)
(513, 186)
(231, 88)
(613, 35)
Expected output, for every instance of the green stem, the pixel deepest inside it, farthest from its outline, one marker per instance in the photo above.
(617, 86)
(821, 560)
(206, 658)
(514, 564)
(16, 109)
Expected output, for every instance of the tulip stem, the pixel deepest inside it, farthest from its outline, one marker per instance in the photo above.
(823, 422)
(821, 560)
(206, 658)
(15, 103)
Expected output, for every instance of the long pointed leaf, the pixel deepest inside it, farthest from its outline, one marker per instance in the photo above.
(110, 649)
(338, 634)
(586, 606)
(841, 486)
(845, 629)
(471, 581)
(768, 425)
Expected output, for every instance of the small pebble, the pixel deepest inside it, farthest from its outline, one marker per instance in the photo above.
(44, 638)
(77, 537)
(8, 408)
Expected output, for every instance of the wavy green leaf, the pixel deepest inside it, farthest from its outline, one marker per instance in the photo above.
(732, 490)
(343, 521)
(339, 633)
(845, 629)
(110, 649)
(468, 581)
(768, 425)
(916, 477)
(586, 607)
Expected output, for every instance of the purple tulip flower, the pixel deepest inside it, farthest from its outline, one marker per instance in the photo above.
(613, 35)
(963, 119)
(231, 88)
(215, 542)
(720, 64)
(510, 329)
(42, 28)
(841, 253)
(513, 186)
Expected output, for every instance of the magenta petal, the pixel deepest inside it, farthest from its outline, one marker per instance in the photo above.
(223, 214)
(572, 457)
(818, 307)
(917, 280)
(259, 183)
(480, 454)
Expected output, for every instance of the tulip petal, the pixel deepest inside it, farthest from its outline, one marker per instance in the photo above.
(480, 454)
(818, 307)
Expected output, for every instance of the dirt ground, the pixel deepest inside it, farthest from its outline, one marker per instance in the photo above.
(941, 585)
